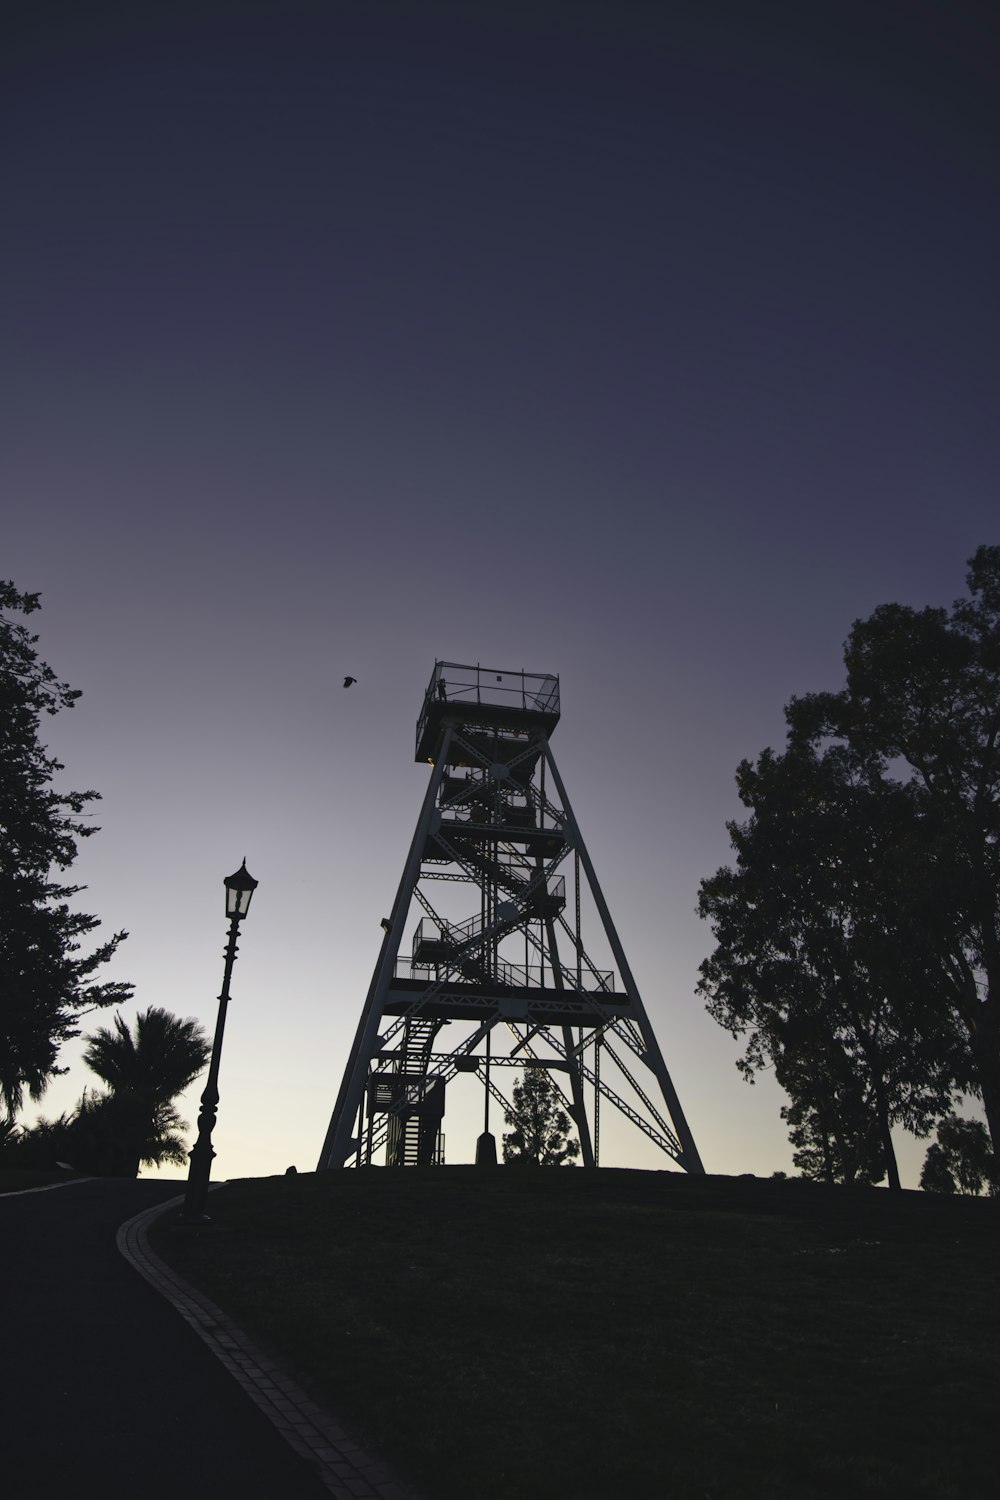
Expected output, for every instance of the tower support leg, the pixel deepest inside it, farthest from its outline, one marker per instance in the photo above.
(338, 1142)
(579, 1104)
(654, 1057)
(575, 1081)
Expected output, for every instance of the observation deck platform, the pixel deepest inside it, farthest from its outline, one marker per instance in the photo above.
(454, 1000)
(516, 703)
(543, 842)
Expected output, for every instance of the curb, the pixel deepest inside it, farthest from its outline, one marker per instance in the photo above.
(348, 1472)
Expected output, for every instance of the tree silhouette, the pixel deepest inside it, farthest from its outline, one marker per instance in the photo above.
(832, 1125)
(144, 1070)
(539, 1137)
(45, 980)
(921, 714)
(961, 1158)
(807, 966)
(861, 925)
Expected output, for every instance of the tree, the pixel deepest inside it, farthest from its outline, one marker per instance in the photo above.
(135, 1121)
(539, 1137)
(44, 1145)
(807, 966)
(921, 714)
(960, 1157)
(842, 1152)
(100, 1136)
(46, 981)
(113, 1134)
(833, 1127)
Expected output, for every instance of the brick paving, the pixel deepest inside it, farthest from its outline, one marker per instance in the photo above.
(347, 1471)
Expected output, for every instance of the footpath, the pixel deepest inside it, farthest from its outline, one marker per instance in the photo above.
(122, 1380)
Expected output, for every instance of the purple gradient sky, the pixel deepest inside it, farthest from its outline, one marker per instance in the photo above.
(650, 345)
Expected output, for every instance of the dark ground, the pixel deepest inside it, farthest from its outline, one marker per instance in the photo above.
(107, 1391)
(515, 1335)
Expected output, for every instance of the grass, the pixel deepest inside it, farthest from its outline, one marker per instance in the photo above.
(521, 1333)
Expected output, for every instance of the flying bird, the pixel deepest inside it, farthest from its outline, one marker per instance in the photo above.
(349, 680)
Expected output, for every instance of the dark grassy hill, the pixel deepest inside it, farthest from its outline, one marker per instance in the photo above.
(524, 1334)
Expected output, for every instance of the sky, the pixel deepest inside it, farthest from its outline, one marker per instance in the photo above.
(646, 345)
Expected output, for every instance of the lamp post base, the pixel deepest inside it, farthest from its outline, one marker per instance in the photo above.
(198, 1186)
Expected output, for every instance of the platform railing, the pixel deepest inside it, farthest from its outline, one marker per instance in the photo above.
(459, 683)
(510, 976)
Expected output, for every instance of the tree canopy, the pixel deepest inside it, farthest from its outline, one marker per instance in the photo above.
(47, 980)
(135, 1121)
(540, 1133)
(961, 1158)
(859, 933)
(157, 1060)
(144, 1070)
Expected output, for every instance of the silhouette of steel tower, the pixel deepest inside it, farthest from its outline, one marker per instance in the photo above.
(511, 964)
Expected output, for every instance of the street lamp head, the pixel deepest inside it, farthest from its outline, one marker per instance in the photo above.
(239, 888)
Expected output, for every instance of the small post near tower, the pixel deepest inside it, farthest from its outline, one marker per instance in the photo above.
(494, 947)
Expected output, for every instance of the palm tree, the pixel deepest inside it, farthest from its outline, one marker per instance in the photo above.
(144, 1072)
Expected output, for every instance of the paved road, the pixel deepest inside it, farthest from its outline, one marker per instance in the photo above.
(106, 1390)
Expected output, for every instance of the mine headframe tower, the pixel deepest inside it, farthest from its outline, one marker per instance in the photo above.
(497, 947)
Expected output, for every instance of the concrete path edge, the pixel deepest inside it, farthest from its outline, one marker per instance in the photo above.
(348, 1472)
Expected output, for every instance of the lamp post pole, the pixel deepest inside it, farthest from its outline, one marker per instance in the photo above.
(239, 888)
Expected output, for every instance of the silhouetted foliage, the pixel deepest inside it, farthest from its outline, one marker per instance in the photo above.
(921, 713)
(960, 1159)
(806, 965)
(835, 1138)
(46, 1144)
(144, 1070)
(159, 1059)
(114, 1133)
(539, 1137)
(106, 1134)
(135, 1123)
(860, 929)
(46, 983)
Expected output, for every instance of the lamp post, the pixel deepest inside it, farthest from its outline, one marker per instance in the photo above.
(239, 888)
